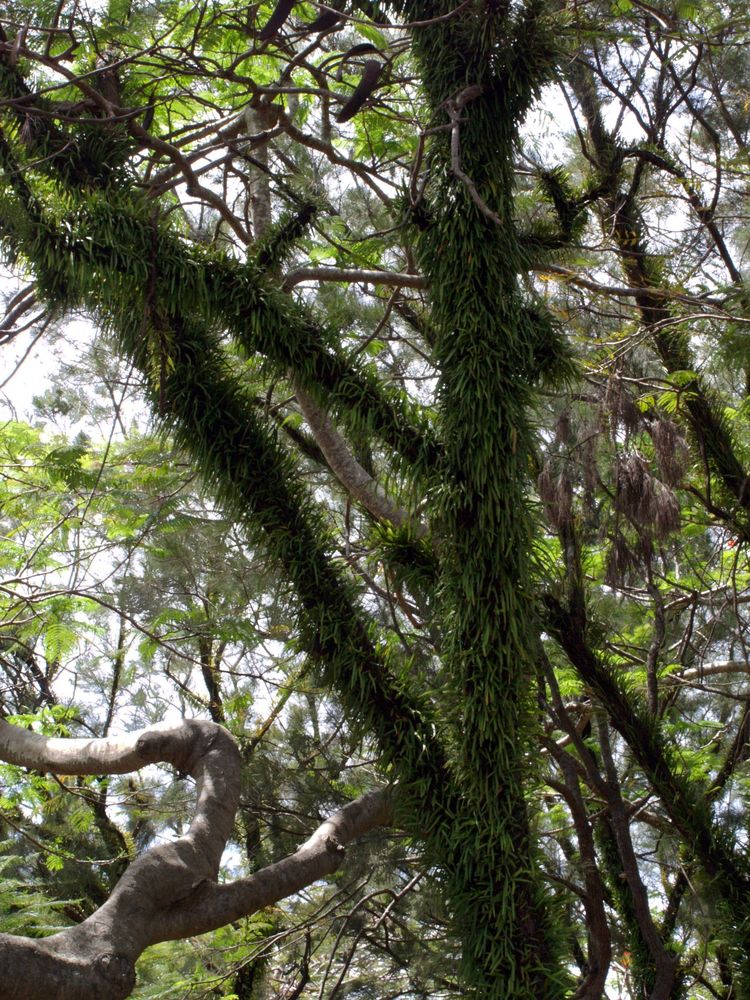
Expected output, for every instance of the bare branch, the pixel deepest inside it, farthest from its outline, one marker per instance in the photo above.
(355, 276)
(216, 905)
(356, 480)
(170, 891)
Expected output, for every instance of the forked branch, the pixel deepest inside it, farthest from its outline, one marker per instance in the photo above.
(170, 891)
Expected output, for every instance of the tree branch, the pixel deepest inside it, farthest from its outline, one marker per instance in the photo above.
(355, 276)
(356, 480)
(170, 891)
(96, 958)
(215, 905)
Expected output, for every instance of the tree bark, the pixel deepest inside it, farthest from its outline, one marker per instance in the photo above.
(171, 891)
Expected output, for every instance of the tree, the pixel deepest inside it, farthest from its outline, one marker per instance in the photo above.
(517, 660)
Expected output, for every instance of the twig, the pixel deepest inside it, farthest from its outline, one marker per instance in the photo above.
(454, 106)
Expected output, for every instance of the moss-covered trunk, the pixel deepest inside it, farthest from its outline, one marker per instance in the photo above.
(481, 70)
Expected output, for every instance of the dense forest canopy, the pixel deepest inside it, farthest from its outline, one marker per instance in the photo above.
(374, 577)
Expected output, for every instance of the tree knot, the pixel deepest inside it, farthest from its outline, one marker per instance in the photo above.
(117, 970)
(334, 846)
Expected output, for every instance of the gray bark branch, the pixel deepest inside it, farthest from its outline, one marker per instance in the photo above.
(170, 891)
(355, 479)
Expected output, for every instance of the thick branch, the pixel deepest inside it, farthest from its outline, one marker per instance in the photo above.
(169, 892)
(356, 480)
(216, 905)
(96, 958)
